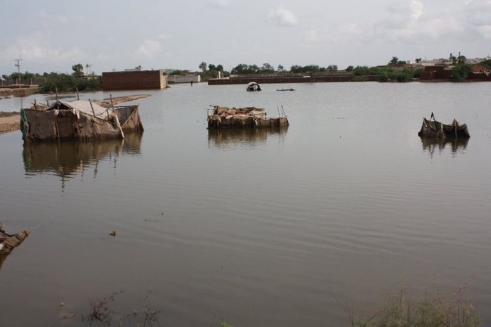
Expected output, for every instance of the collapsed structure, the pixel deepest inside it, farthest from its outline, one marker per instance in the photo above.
(248, 117)
(253, 87)
(78, 120)
(10, 241)
(434, 129)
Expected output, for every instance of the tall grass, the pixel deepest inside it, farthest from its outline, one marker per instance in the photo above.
(433, 309)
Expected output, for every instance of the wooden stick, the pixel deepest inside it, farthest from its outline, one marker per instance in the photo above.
(57, 101)
(93, 111)
(111, 97)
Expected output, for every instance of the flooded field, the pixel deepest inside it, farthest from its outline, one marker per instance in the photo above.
(255, 228)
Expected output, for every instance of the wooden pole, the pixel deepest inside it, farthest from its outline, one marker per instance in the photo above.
(111, 97)
(92, 107)
(57, 102)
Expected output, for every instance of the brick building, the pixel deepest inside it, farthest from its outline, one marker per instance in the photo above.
(134, 80)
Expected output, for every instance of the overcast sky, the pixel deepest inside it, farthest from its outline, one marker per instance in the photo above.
(53, 35)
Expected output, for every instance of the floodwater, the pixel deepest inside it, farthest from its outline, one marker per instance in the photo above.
(252, 228)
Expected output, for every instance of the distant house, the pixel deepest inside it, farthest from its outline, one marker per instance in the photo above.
(134, 80)
(480, 73)
(480, 69)
(435, 73)
(189, 78)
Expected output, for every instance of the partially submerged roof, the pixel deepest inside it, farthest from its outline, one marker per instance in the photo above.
(80, 105)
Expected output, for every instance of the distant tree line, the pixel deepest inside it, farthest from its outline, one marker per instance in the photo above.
(395, 70)
(267, 68)
(361, 73)
(386, 74)
(59, 82)
(56, 82)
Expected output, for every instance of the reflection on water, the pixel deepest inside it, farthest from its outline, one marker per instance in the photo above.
(247, 136)
(456, 145)
(68, 158)
(2, 259)
(226, 222)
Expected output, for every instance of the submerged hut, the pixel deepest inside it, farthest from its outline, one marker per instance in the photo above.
(248, 117)
(253, 86)
(434, 129)
(10, 241)
(78, 120)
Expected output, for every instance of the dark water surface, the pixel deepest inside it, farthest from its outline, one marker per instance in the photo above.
(253, 228)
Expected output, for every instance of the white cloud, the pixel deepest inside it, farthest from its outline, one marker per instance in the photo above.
(438, 27)
(149, 48)
(38, 48)
(407, 23)
(220, 3)
(163, 37)
(485, 31)
(311, 37)
(416, 8)
(283, 17)
(478, 14)
(52, 19)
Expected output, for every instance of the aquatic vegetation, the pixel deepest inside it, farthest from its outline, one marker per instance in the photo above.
(434, 309)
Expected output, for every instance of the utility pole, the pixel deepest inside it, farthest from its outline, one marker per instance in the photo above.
(18, 69)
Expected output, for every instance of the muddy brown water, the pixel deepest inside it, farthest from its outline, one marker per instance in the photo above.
(254, 228)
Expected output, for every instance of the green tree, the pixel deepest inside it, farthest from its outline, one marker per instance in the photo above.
(78, 70)
(349, 68)
(15, 76)
(486, 63)
(246, 69)
(267, 68)
(361, 71)
(453, 58)
(461, 60)
(203, 66)
(461, 72)
(296, 69)
(179, 72)
(393, 61)
(239, 69)
(383, 77)
(69, 83)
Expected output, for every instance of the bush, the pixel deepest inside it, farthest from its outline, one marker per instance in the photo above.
(68, 83)
(383, 77)
(401, 76)
(417, 73)
(433, 310)
(360, 79)
(461, 72)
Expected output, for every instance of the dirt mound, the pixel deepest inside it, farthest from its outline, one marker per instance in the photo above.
(9, 122)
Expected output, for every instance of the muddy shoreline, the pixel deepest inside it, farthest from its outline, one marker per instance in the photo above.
(9, 122)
